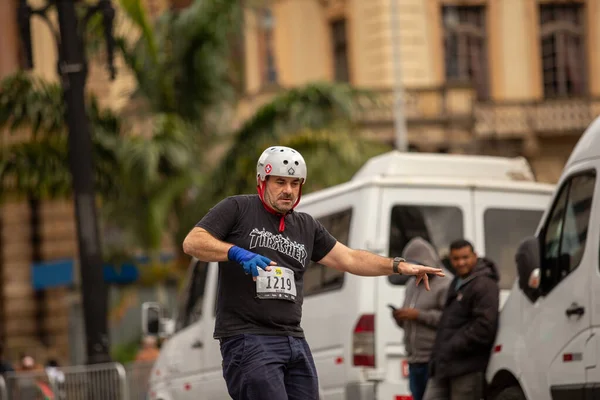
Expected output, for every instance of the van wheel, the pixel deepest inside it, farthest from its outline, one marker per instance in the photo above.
(510, 393)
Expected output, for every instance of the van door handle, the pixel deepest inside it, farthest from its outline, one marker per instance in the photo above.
(197, 345)
(575, 309)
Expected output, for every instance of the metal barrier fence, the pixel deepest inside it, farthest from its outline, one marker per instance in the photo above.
(138, 376)
(110, 381)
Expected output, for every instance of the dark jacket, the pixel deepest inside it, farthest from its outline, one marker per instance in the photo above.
(469, 323)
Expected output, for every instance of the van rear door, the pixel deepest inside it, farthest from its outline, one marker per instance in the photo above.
(439, 215)
(503, 219)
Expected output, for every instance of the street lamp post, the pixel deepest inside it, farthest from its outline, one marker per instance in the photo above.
(401, 134)
(72, 69)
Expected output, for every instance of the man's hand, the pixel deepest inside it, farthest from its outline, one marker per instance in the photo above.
(403, 314)
(250, 261)
(420, 272)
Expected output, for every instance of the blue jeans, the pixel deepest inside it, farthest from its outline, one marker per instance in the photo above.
(257, 367)
(418, 373)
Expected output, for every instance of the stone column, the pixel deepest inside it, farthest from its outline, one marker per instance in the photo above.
(9, 38)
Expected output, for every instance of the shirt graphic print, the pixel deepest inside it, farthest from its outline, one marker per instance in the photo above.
(279, 243)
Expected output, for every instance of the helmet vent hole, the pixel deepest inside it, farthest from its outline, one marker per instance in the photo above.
(296, 162)
(285, 162)
(281, 151)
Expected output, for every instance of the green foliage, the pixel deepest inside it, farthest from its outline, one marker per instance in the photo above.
(125, 353)
(31, 103)
(181, 64)
(311, 107)
(40, 166)
(155, 180)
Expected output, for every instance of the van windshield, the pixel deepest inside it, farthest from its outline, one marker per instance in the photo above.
(504, 229)
(439, 225)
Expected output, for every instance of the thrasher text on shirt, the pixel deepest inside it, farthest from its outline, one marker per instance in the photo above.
(278, 243)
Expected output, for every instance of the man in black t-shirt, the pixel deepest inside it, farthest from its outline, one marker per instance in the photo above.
(265, 355)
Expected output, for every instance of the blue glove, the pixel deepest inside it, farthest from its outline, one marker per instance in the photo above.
(249, 260)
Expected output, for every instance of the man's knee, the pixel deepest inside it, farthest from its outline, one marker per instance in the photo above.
(250, 372)
(301, 379)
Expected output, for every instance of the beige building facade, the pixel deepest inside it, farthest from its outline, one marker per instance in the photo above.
(507, 77)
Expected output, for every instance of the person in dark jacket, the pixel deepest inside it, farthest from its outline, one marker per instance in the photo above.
(420, 313)
(467, 328)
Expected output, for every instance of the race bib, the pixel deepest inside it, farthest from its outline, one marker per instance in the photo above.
(279, 283)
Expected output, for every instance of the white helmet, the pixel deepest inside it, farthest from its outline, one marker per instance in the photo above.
(281, 161)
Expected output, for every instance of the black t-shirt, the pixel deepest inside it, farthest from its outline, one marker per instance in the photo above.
(243, 221)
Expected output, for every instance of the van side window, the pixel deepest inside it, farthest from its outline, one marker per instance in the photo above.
(504, 229)
(190, 309)
(319, 278)
(565, 234)
(439, 225)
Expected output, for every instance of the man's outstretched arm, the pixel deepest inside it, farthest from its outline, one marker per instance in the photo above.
(365, 263)
(204, 246)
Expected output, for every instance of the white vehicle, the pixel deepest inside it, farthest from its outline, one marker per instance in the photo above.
(357, 347)
(547, 346)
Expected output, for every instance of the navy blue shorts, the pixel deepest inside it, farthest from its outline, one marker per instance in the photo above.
(257, 367)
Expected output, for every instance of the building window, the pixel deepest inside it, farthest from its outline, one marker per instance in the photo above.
(562, 40)
(340, 50)
(268, 69)
(465, 46)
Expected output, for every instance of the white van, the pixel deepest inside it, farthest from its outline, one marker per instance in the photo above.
(548, 344)
(357, 347)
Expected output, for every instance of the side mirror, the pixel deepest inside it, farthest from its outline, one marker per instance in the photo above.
(155, 322)
(534, 279)
(528, 261)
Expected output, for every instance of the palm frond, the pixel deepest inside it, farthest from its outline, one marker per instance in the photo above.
(38, 168)
(189, 74)
(30, 102)
(202, 47)
(136, 12)
(311, 107)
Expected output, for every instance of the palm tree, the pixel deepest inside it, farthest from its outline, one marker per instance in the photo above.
(144, 181)
(39, 167)
(134, 175)
(187, 80)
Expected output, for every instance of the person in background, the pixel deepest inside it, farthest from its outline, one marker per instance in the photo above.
(467, 329)
(421, 313)
(149, 351)
(5, 366)
(57, 378)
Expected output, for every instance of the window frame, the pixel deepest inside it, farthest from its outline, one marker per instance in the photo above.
(340, 48)
(401, 280)
(187, 305)
(548, 287)
(312, 265)
(565, 30)
(266, 47)
(496, 208)
(465, 33)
